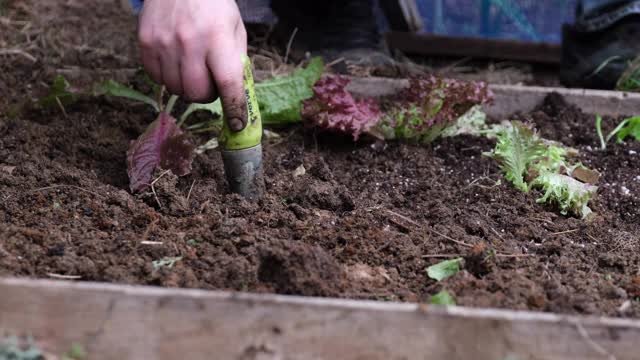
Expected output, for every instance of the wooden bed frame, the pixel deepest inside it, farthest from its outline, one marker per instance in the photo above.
(136, 322)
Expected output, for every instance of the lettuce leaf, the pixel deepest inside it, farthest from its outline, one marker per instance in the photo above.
(430, 105)
(630, 127)
(114, 88)
(571, 195)
(162, 145)
(518, 147)
(334, 108)
(444, 269)
(531, 162)
(280, 98)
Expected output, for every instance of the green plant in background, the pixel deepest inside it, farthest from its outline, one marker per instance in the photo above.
(629, 127)
(630, 79)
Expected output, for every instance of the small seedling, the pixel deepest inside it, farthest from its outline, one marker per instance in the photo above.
(627, 127)
(192, 242)
(491, 253)
(60, 95)
(630, 79)
(529, 161)
(167, 262)
(76, 352)
(443, 298)
(444, 269)
(421, 112)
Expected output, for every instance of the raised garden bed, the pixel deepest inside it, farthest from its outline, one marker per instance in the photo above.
(363, 222)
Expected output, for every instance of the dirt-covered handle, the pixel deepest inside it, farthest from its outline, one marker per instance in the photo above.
(252, 134)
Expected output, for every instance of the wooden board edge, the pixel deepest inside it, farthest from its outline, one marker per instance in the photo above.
(509, 99)
(134, 322)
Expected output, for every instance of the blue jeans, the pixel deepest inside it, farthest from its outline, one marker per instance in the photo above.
(598, 15)
(593, 6)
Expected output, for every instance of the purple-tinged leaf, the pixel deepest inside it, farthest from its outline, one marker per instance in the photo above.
(334, 108)
(162, 145)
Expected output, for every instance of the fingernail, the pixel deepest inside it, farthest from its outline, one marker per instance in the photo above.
(235, 124)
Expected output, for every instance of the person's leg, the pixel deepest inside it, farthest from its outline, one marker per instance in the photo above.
(601, 43)
(591, 6)
(333, 29)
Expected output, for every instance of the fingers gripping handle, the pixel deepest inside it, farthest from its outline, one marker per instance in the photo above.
(242, 150)
(251, 135)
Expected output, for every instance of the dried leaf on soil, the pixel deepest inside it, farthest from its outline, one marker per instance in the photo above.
(163, 145)
(444, 269)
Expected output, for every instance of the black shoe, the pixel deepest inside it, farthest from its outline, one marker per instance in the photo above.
(344, 33)
(599, 47)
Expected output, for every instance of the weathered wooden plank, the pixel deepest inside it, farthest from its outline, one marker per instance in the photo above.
(126, 322)
(426, 44)
(512, 98)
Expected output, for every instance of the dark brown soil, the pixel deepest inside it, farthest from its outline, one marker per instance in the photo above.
(363, 222)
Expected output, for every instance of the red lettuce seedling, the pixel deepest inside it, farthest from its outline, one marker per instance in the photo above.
(334, 108)
(428, 106)
(420, 112)
(163, 144)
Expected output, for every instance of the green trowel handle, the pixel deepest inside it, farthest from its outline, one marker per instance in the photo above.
(252, 134)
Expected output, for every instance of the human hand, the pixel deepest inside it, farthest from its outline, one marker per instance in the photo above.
(194, 48)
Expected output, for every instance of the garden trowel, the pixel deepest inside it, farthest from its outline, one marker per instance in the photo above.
(242, 151)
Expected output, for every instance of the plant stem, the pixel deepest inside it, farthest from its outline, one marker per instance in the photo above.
(170, 104)
(160, 99)
(618, 128)
(603, 143)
